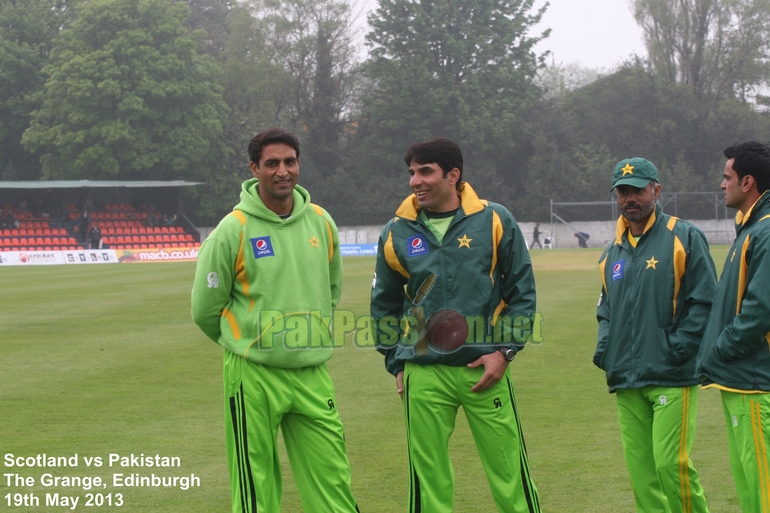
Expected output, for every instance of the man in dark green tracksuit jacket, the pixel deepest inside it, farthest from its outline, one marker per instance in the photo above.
(658, 283)
(734, 356)
(454, 299)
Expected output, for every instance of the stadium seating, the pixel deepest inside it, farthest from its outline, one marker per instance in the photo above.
(122, 227)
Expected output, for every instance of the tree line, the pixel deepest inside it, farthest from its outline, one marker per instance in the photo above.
(164, 89)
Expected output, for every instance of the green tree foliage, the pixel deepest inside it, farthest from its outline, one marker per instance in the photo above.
(255, 90)
(211, 17)
(312, 41)
(634, 112)
(718, 48)
(128, 97)
(28, 30)
(452, 68)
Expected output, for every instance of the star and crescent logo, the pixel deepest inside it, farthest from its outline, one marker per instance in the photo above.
(652, 263)
(464, 241)
(628, 169)
(314, 242)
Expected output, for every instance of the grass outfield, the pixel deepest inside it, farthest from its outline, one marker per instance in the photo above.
(100, 360)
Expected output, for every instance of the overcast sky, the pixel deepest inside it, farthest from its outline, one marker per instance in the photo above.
(595, 33)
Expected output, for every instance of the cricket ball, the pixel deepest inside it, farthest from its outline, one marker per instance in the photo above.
(447, 330)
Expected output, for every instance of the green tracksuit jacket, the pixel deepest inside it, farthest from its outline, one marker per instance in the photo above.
(655, 300)
(734, 353)
(481, 269)
(265, 287)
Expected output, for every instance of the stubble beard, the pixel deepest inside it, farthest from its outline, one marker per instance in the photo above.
(641, 214)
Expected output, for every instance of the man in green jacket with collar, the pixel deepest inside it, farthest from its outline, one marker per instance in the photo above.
(454, 299)
(734, 356)
(658, 283)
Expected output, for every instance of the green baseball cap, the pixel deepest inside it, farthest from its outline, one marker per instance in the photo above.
(635, 172)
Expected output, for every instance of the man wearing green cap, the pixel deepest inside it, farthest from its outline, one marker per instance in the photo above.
(658, 284)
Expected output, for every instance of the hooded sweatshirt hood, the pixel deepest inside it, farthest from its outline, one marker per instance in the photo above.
(253, 205)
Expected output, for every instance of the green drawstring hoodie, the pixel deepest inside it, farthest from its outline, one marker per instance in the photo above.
(265, 287)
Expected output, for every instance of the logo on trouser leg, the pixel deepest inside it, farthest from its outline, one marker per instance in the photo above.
(498, 402)
(735, 421)
(663, 400)
(330, 403)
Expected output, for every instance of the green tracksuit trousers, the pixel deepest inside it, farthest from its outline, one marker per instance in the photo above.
(259, 400)
(748, 439)
(657, 425)
(432, 396)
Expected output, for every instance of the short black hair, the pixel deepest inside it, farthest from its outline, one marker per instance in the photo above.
(271, 136)
(751, 158)
(439, 150)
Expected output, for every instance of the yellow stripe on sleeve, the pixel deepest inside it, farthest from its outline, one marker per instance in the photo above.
(318, 210)
(498, 310)
(744, 270)
(602, 266)
(392, 259)
(240, 269)
(240, 216)
(227, 314)
(497, 236)
(680, 259)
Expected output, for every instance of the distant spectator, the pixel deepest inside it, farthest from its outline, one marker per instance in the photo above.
(151, 221)
(82, 223)
(536, 237)
(169, 220)
(582, 238)
(95, 236)
(8, 220)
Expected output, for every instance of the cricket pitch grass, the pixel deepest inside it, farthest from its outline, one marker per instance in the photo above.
(104, 362)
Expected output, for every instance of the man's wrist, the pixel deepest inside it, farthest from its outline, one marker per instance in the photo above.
(508, 353)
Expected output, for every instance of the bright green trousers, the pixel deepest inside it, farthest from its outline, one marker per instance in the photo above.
(657, 425)
(432, 396)
(259, 400)
(748, 440)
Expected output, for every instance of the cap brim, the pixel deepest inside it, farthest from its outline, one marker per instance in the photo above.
(639, 183)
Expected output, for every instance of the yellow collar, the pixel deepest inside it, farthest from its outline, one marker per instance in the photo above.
(624, 226)
(741, 218)
(469, 201)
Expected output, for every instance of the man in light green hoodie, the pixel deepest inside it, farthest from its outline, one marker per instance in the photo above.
(266, 277)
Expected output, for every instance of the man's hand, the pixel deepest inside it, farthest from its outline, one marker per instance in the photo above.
(400, 384)
(495, 366)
